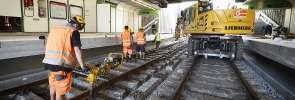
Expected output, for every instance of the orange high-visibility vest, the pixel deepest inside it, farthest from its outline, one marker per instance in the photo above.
(140, 38)
(126, 38)
(59, 50)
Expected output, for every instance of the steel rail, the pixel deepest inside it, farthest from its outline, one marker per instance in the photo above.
(183, 81)
(250, 92)
(87, 93)
(19, 88)
(82, 95)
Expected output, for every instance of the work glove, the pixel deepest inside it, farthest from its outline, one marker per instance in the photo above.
(85, 68)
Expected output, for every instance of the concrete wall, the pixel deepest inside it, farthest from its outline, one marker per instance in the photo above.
(31, 19)
(113, 19)
(21, 48)
(4, 11)
(168, 18)
(288, 17)
(281, 52)
(103, 17)
(90, 15)
(116, 17)
(18, 56)
(292, 15)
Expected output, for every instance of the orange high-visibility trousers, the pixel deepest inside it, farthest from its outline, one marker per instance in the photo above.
(127, 49)
(62, 86)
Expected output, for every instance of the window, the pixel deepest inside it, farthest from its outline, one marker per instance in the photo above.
(186, 22)
(189, 15)
(42, 8)
(204, 7)
(201, 21)
(58, 10)
(192, 15)
(76, 10)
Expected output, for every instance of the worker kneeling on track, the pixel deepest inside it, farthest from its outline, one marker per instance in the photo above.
(63, 47)
(127, 43)
(141, 41)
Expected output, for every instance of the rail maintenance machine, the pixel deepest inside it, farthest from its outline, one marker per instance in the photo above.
(113, 61)
(215, 32)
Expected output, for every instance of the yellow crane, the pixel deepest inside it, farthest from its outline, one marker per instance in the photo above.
(215, 32)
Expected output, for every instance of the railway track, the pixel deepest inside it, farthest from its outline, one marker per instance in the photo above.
(218, 79)
(134, 73)
(214, 78)
(168, 75)
(130, 77)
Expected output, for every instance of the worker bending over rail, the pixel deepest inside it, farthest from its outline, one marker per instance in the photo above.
(63, 47)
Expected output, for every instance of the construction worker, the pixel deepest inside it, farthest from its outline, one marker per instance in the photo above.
(129, 29)
(63, 47)
(127, 43)
(141, 41)
(268, 29)
(234, 7)
(157, 40)
(276, 31)
(153, 28)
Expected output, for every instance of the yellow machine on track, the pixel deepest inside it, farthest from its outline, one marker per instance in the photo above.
(113, 61)
(215, 32)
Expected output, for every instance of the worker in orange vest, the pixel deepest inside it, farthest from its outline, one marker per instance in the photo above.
(141, 41)
(127, 43)
(63, 47)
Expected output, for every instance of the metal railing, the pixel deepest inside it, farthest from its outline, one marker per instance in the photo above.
(149, 25)
(273, 16)
(265, 18)
(146, 19)
(277, 15)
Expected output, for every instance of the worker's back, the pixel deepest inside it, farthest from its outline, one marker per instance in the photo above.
(126, 35)
(59, 40)
(140, 35)
(126, 38)
(140, 38)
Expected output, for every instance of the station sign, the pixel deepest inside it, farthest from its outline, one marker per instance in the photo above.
(145, 12)
(277, 5)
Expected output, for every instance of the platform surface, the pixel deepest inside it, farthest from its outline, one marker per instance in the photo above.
(35, 71)
(280, 51)
(21, 46)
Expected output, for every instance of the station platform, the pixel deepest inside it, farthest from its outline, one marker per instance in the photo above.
(21, 46)
(36, 71)
(22, 53)
(279, 51)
